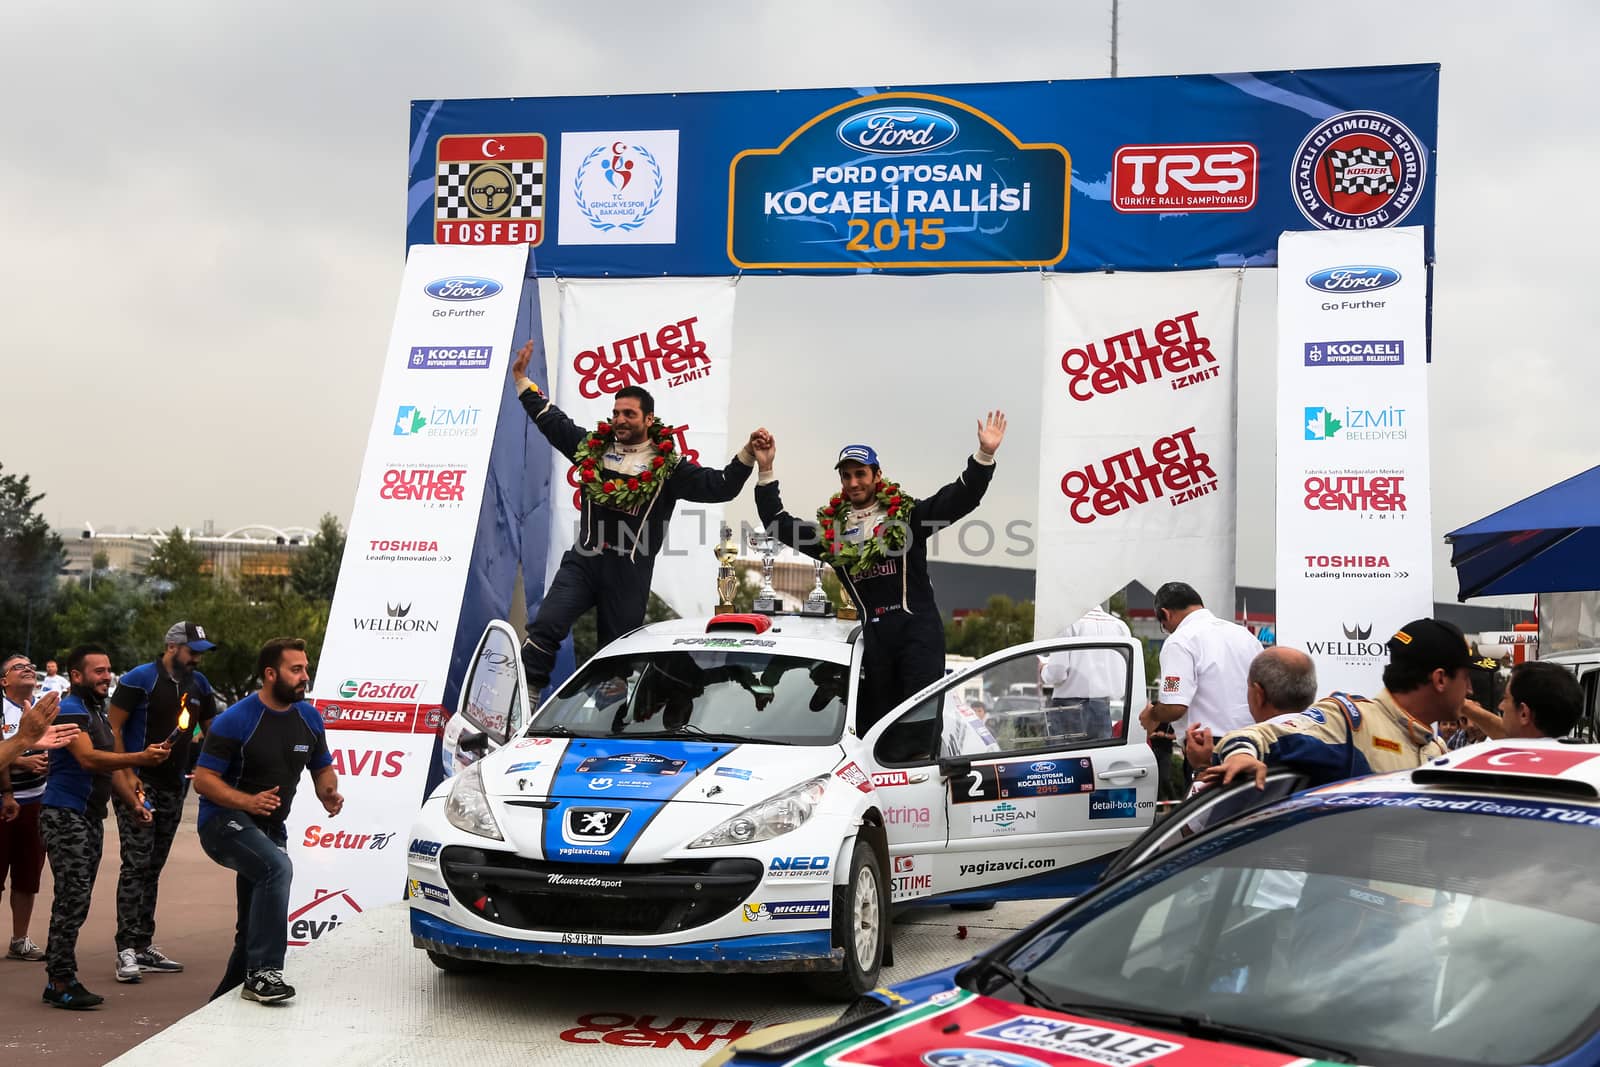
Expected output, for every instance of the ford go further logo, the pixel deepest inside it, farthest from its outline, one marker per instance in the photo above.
(462, 288)
(898, 131)
(1356, 278)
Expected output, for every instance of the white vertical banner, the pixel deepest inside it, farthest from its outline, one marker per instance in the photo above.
(1137, 450)
(673, 337)
(381, 674)
(1355, 559)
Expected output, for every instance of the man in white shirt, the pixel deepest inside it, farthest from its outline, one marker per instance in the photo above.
(1205, 665)
(50, 681)
(1083, 683)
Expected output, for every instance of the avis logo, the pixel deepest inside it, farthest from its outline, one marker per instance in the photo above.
(327, 910)
(1162, 178)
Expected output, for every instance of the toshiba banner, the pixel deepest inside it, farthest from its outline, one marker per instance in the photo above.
(1136, 467)
(381, 675)
(1354, 548)
(673, 337)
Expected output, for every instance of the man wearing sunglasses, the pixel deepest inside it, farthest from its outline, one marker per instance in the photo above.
(148, 707)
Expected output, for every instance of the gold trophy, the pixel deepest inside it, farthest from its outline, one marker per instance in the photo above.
(727, 578)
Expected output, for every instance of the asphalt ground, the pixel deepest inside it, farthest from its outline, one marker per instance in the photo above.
(194, 924)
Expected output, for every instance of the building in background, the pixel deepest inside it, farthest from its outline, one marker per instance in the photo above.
(242, 554)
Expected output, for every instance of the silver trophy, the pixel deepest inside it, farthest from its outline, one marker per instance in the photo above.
(767, 598)
(817, 602)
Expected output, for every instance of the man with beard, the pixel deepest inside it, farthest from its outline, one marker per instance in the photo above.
(82, 777)
(148, 705)
(247, 775)
(876, 539)
(632, 479)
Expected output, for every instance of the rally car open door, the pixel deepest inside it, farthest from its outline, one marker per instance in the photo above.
(1037, 760)
(493, 706)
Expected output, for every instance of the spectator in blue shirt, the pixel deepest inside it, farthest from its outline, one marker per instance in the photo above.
(81, 779)
(248, 771)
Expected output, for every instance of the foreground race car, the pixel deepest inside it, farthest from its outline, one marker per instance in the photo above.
(1448, 915)
(697, 797)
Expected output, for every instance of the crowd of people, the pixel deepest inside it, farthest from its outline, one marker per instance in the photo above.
(1233, 708)
(72, 753)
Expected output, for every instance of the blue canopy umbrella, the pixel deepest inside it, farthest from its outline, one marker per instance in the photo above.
(1546, 543)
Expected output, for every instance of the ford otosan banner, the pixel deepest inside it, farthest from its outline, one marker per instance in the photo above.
(381, 675)
(1355, 559)
(1137, 439)
(1133, 173)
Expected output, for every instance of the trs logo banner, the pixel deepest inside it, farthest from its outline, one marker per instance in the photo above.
(899, 180)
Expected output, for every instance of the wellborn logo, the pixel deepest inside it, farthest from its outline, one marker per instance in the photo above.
(1356, 649)
(898, 131)
(396, 622)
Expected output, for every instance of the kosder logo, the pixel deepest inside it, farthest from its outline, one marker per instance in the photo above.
(1356, 278)
(462, 288)
(898, 131)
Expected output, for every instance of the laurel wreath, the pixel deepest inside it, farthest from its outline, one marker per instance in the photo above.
(624, 493)
(583, 204)
(888, 537)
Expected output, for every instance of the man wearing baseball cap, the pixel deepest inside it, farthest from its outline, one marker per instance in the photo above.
(876, 539)
(1344, 736)
(147, 707)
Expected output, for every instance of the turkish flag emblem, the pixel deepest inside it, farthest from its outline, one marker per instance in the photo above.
(1526, 761)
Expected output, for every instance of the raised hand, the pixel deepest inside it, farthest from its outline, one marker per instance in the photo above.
(519, 366)
(36, 720)
(992, 431)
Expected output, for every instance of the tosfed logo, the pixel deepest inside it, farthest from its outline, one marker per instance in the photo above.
(1358, 170)
(489, 190)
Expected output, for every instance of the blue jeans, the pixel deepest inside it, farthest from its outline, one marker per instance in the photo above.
(262, 934)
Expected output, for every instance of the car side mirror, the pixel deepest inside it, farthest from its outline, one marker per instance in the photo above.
(476, 743)
(954, 767)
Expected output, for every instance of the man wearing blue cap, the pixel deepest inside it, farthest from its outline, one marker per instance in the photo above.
(149, 706)
(875, 536)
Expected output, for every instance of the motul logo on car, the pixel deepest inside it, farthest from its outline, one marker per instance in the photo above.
(378, 689)
(369, 762)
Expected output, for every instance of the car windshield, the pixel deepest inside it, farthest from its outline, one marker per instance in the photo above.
(743, 696)
(1391, 928)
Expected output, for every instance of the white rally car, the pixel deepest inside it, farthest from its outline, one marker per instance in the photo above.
(698, 796)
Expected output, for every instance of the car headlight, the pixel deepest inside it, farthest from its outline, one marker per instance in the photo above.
(773, 817)
(468, 805)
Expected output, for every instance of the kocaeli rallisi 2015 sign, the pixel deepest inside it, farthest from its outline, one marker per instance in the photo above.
(904, 180)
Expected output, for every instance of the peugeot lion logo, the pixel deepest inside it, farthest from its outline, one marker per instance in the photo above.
(593, 826)
(1356, 633)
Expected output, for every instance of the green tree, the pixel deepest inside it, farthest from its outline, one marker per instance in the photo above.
(585, 638)
(1001, 624)
(31, 556)
(176, 561)
(315, 570)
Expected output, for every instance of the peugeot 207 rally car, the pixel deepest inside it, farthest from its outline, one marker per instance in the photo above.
(1431, 918)
(698, 796)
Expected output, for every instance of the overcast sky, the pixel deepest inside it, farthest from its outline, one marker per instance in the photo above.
(206, 214)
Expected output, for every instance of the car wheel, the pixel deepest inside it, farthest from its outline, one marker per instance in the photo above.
(860, 927)
(452, 965)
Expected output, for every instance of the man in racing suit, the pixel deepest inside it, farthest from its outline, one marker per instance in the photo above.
(1343, 736)
(904, 631)
(610, 565)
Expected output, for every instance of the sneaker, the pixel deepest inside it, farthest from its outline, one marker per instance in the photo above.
(153, 959)
(128, 966)
(266, 987)
(23, 948)
(74, 997)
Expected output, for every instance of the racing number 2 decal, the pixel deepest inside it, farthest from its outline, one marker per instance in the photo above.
(979, 785)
